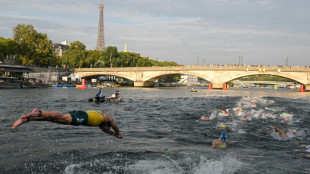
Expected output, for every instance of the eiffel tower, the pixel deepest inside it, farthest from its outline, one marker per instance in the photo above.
(100, 45)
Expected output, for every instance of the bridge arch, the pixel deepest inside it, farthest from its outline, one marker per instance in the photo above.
(295, 78)
(90, 74)
(151, 78)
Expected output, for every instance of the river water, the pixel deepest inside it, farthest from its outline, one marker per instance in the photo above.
(162, 130)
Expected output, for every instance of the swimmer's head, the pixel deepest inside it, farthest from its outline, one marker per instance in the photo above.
(223, 136)
(223, 126)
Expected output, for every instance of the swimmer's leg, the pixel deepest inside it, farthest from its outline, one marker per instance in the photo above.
(19, 122)
(25, 118)
(37, 115)
(53, 116)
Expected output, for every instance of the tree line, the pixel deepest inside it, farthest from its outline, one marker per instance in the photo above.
(265, 78)
(32, 48)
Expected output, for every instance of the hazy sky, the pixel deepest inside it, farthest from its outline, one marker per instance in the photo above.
(263, 32)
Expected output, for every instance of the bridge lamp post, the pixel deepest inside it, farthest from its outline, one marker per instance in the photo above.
(198, 61)
(240, 61)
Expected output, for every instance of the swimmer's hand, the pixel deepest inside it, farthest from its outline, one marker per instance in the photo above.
(118, 135)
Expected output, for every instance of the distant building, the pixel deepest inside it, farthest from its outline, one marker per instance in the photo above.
(189, 80)
(60, 48)
(65, 42)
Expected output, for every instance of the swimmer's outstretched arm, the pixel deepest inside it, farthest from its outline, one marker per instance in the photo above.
(109, 119)
(279, 130)
(116, 133)
(115, 128)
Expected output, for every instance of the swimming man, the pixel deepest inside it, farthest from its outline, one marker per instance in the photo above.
(87, 118)
(221, 142)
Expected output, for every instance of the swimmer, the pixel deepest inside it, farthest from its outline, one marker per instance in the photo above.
(244, 117)
(204, 118)
(114, 96)
(87, 118)
(221, 142)
(238, 111)
(226, 112)
(291, 133)
(286, 117)
(305, 149)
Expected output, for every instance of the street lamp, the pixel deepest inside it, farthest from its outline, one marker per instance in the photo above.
(240, 60)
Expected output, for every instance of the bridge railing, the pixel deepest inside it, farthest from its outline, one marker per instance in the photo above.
(202, 67)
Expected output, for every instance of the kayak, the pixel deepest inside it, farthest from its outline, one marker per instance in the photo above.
(94, 99)
(118, 99)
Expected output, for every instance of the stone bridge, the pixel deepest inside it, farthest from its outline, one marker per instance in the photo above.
(217, 75)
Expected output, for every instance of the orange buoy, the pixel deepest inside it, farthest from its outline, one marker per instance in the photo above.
(83, 86)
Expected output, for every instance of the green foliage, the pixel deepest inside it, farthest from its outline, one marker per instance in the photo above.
(34, 48)
(93, 56)
(265, 78)
(77, 45)
(230, 83)
(171, 78)
(8, 47)
(75, 56)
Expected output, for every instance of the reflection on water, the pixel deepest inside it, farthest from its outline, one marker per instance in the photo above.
(162, 129)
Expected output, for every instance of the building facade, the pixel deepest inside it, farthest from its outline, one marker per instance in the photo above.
(60, 48)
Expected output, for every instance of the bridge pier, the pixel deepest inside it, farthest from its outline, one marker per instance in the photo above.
(143, 84)
(225, 86)
(307, 87)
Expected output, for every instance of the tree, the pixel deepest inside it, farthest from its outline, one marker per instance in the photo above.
(8, 47)
(35, 48)
(92, 57)
(75, 56)
(111, 56)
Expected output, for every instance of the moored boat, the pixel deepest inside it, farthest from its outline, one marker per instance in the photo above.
(9, 83)
(33, 83)
(194, 90)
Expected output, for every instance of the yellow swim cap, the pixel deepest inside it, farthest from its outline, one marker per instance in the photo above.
(223, 126)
